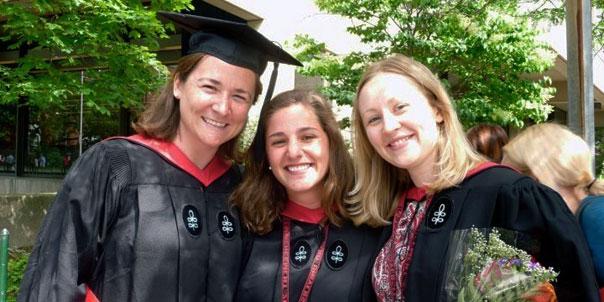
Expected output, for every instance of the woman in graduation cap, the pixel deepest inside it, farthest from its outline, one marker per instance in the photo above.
(418, 174)
(298, 172)
(145, 218)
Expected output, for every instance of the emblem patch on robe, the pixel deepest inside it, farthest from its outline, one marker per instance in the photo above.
(192, 220)
(336, 255)
(301, 253)
(226, 225)
(439, 212)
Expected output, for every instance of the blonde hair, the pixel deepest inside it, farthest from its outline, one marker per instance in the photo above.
(261, 197)
(555, 156)
(378, 183)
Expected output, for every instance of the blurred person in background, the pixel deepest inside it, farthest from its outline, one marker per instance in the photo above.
(488, 140)
(560, 159)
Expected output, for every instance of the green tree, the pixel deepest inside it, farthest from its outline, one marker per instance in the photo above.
(598, 25)
(481, 49)
(554, 11)
(112, 39)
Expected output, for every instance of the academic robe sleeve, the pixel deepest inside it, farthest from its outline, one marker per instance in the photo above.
(537, 209)
(71, 236)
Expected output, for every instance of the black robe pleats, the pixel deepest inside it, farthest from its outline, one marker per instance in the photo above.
(500, 197)
(344, 274)
(131, 225)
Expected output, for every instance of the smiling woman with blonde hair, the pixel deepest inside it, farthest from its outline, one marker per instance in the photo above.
(417, 174)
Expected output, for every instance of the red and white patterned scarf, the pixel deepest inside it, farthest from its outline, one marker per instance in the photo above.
(389, 274)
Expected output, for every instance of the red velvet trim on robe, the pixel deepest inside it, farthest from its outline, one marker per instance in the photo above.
(90, 296)
(303, 214)
(168, 150)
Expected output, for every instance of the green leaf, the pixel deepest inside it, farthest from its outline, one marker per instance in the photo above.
(115, 37)
(480, 48)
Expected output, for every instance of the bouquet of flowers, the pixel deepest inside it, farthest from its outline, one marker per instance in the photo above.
(482, 267)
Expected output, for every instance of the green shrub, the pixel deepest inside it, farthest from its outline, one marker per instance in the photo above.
(17, 262)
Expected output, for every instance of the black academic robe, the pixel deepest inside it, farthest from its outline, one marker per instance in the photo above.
(132, 224)
(346, 278)
(500, 197)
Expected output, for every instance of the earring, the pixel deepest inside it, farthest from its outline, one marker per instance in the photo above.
(270, 168)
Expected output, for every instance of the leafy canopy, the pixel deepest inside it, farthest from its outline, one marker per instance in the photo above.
(482, 50)
(111, 39)
(554, 11)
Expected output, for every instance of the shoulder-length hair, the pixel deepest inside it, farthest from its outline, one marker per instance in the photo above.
(488, 140)
(261, 198)
(378, 183)
(555, 156)
(161, 117)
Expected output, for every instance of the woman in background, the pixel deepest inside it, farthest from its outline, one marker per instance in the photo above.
(298, 172)
(560, 159)
(488, 140)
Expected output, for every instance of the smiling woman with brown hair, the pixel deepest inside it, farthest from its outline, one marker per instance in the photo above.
(298, 173)
(145, 217)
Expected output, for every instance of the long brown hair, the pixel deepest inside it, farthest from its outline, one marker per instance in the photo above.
(261, 198)
(162, 116)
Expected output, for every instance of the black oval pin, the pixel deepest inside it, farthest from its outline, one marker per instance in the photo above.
(439, 212)
(226, 225)
(336, 255)
(301, 253)
(192, 220)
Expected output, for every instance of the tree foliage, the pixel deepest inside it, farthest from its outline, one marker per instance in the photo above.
(598, 25)
(554, 11)
(111, 39)
(482, 51)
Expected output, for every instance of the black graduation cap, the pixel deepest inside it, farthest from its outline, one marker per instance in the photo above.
(233, 42)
